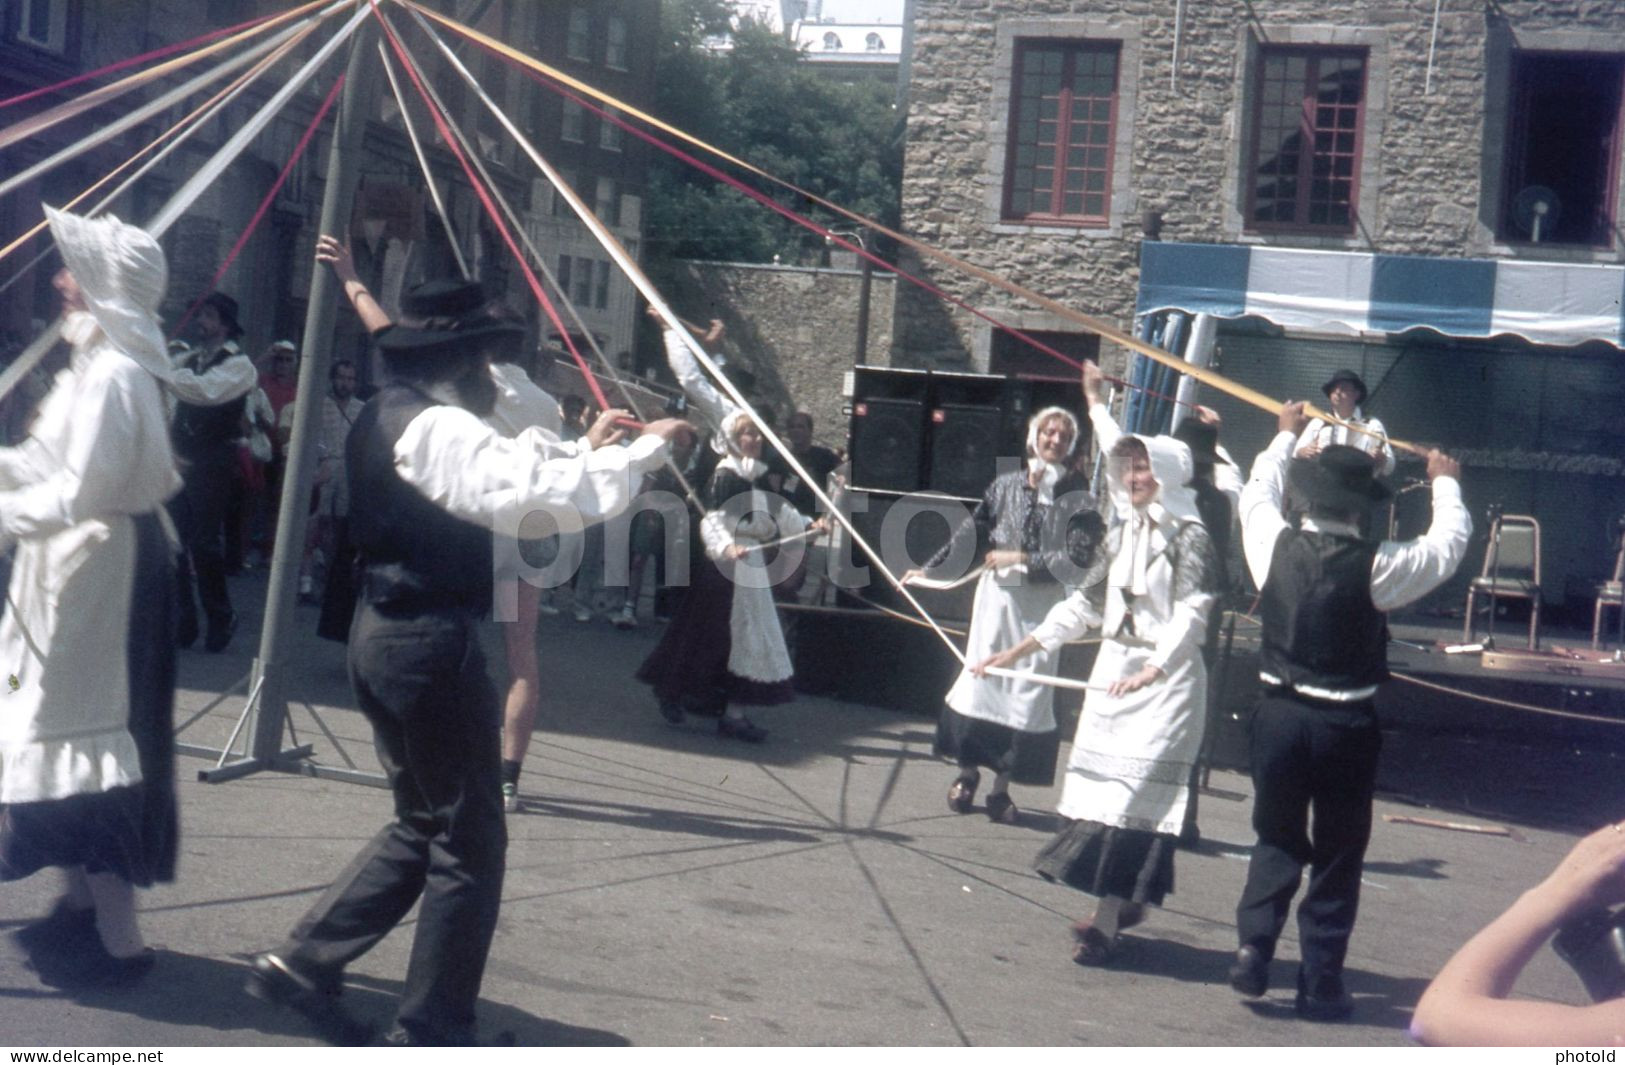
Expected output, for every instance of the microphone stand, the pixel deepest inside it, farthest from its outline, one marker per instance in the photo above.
(1494, 514)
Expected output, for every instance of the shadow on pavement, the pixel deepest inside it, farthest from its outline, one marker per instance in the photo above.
(198, 992)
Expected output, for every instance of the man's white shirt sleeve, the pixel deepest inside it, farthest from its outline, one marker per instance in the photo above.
(475, 473)
(234, 378)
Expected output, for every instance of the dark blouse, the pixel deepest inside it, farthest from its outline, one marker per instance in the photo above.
(1063, 536)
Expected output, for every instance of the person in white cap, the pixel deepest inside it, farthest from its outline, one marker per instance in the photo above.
(86, 744)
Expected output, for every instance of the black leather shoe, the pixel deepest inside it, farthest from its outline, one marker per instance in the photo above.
(400, 1036)
(1250, 973)
(64, 929)
(1002, 809)
(273, 980)
(1326, 1001)
(740, 728)
(220, 635)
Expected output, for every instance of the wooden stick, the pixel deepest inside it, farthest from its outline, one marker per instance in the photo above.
(1453, 826)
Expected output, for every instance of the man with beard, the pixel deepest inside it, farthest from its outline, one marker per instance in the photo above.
(429, 482)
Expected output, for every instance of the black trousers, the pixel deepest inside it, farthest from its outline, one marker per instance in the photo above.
(199, 512)
(421, 681)
(1314, 767)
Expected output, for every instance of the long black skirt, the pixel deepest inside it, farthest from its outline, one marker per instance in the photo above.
(1029, 757)
(1101, 860)
(132, 831)
(689, 666)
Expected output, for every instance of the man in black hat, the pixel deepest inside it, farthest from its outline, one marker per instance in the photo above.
(1346, 392)
(1324, 596)
(210, 383)
(429, 481)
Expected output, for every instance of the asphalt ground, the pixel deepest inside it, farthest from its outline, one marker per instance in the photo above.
(668, 887)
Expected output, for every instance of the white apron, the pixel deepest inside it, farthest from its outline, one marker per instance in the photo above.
(1000, 616)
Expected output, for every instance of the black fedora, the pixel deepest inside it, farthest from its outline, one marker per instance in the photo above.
(226, 308)
(445, 315)
(1201, 438)
(1340, 477)
(1345, 375)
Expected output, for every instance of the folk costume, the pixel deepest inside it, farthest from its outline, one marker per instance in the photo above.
(1004, 723)
(724, 648)
(1368, 433)
(1126, 780)
(86, 737)
(429, 481)
(211, 387)
(1325, 594)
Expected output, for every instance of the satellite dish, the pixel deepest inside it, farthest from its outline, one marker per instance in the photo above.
(1536, 210)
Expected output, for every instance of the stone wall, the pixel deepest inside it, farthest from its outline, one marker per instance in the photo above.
(794, 330)
(1430, 177)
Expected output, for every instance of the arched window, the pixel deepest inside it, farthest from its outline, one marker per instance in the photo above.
(832, 42)
(873, 43)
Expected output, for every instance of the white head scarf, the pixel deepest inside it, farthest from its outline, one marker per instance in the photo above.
(123, 275)
(1174, 504)
(1049, 472)
(725, 442)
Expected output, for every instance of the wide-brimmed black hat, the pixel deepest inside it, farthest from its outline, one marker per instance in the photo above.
(1345, 375)
(448, 315)
(1340, 477)
(1201, 438)
(226, 308)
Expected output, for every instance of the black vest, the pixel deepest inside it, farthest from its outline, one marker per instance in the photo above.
(1320, 627)
(207, 433)
(414, 555)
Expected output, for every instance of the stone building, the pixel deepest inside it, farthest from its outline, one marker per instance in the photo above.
(1427, 193)
(397, 236)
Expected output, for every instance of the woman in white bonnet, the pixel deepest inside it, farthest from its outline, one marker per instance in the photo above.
(1038, 532)
(724, 649)
(1123, 801)
(86, 746)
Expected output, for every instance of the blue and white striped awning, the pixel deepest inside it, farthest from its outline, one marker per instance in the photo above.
(1335, 291)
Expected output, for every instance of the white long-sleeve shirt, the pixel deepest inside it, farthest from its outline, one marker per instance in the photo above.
(1400, 572)
(232, 378)
(476, 473)
(1373, 440)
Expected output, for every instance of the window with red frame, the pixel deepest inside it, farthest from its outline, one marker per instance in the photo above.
(1309, 107)
(1562, 142)
(1063, 116)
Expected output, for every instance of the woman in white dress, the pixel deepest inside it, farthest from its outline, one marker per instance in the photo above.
(86, 740)
(1037, 530)
(1126, 780)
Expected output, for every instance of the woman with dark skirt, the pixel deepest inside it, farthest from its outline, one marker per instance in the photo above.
(1125, 792)
(1037, 532)
(724, 648)
(86, 741)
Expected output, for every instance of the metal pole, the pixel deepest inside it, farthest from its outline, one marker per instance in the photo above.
(861, 354)
(338, 199)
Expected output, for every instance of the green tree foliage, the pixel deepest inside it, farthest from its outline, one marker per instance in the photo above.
(763, 102)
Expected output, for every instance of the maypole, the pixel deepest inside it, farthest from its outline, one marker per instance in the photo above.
(268, 690)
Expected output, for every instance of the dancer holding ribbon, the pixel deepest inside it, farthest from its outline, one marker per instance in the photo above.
(86, 741)
(725, 647)
(1038, 531)
(1126, 782)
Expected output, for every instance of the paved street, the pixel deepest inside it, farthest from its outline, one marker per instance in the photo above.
(667, 887)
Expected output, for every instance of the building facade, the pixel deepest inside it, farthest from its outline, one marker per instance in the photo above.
(1426, 193)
